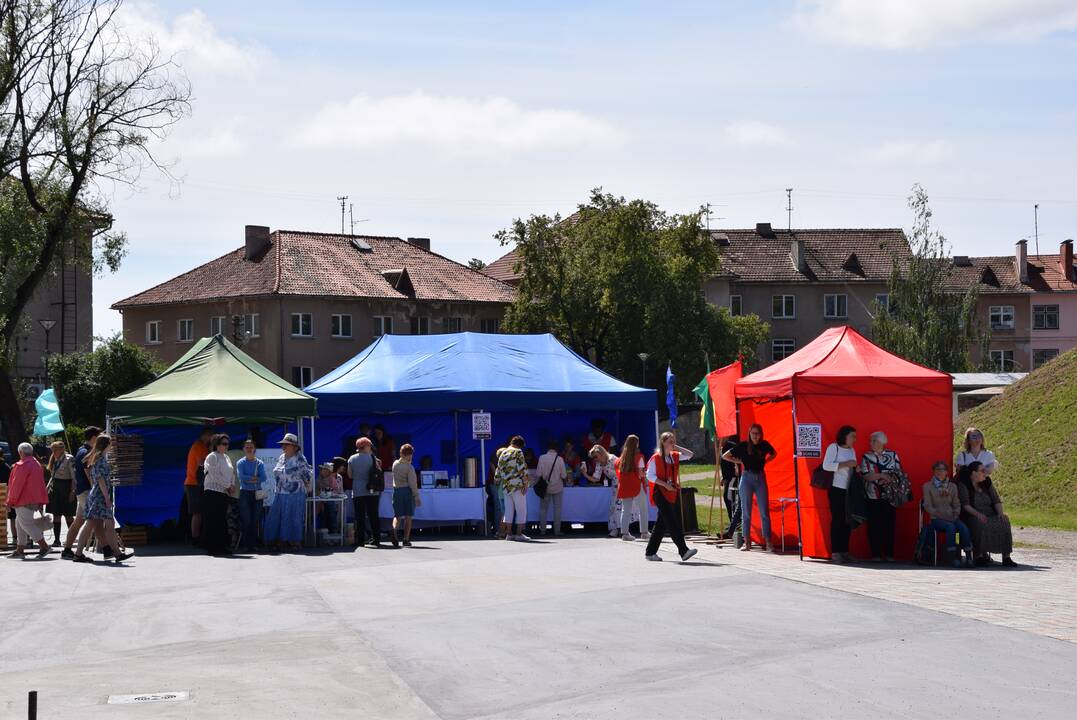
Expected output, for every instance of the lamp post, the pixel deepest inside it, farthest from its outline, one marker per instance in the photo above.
(643, 359)
(48, 325)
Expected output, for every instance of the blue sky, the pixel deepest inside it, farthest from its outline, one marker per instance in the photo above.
(448, 120)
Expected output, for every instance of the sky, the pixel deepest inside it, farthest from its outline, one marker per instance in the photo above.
(448, 120)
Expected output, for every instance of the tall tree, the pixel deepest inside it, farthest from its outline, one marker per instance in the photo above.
(81, 103)
(931, 320)
(620, 277)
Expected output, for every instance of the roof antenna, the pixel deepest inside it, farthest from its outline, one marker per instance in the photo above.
(789, 208)
(342, 199)
(1036, 217)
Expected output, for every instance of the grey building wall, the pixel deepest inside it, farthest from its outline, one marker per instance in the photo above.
(67, 299)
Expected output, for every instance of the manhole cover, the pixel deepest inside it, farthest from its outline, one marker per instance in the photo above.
(154, 697)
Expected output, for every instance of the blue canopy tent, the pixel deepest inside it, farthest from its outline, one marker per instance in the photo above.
(423, 389)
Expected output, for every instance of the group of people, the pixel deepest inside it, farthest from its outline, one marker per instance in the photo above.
(965, 506)
(639, 480)
(77, 488)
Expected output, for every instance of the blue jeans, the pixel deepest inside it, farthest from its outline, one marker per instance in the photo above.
(951, 529)
(754, 484)
(250, 516)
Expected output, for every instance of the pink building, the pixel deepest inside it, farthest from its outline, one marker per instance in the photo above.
(1053, 280)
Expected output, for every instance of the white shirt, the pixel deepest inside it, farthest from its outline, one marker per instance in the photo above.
(552, 467)
(652, 472)
(220, 475)
(605, 472)
(834, 455)
(986, 457)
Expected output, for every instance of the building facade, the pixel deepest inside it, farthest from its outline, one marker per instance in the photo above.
(803, 281)
(302, 303)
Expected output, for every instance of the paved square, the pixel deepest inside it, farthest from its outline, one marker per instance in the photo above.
(579, 628)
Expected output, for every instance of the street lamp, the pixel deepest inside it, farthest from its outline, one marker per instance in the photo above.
(48, 325)
(643, 359)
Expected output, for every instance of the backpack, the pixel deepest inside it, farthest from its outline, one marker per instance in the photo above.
(376, 483)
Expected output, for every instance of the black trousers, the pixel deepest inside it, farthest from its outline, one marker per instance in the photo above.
(215, 522)
(881, 515)
(839, 528)
(669, 520)
(366, 511)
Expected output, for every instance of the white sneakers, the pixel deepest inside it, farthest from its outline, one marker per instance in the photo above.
(628, 538)
(614, 532)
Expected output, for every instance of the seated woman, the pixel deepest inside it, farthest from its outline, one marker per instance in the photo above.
(943, 505)
(982, 511)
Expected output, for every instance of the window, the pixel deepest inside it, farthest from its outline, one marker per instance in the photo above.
(252, 324)
(491, 325)
(1001, 317)
(883, 301)
(302, 376)
(836, 306)
(217, 325)
(735, 305)
(153, 332)
(1002, 360)
(342, 326)
(302, 325)
(781, 349)
(383, 325)
(783, 307)
(1045, 317)
(420, 325)
(1042, 357)
(185, 330)
(454, 324)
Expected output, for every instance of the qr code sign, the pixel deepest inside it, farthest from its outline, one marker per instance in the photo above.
(809, 439)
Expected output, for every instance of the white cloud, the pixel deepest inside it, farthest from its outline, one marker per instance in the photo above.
(450, 123)
(224, 139)
(914, 152)
(755, 133)
(922, 23)
(192, 38)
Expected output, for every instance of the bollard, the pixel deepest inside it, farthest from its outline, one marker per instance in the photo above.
(32, 705)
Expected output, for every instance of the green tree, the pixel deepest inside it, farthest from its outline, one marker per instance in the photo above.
(476, 264)
(931, 320)
(84, 381)
(620, 277)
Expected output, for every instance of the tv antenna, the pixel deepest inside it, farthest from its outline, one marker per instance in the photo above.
(709, 216)
(1036, 221)
(789, 208)
(342, 199)
(351, 218)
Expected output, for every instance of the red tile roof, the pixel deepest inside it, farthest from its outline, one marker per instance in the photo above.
(1044, 275)
(324, 264)
(748, 256)
(504, 268)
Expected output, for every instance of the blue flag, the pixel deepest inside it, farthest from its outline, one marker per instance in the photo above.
(671, 398)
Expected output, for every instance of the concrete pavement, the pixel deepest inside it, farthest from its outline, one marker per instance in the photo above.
(578, 628)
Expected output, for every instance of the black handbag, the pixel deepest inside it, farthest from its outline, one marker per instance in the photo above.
(822, 478)
(543, 483)
(376, 483)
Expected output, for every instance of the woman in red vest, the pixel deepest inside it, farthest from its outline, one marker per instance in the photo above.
(631, 488)
(664, 476)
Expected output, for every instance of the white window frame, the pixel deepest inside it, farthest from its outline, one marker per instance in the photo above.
(310, 324)
(1046, 311)
(306, 375)
(1040, 363)
(883, 301)
(997, 317)
(383, 325)
(836, 314)
(486, 324)
(788, 345)
(153, 338)
(416, 322)
(999, 360)
(187, 337)
(736, 305)
(336, 326)
(786, 300)
(221, 321)
(456, 321)
(252, 323)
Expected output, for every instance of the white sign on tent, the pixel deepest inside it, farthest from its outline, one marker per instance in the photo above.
(480, 426)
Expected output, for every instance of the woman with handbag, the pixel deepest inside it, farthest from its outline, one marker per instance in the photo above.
(883, 479)
(26, 496)
(61, 488)
(368, 483)
(752, 455)
(252, 476)
(664, 477)
(550, 486)
(840, 459)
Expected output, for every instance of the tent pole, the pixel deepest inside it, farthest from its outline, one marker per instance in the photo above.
(714, 487)
(482, 467)
(796, 481)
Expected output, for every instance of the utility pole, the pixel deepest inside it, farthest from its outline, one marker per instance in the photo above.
(1036, 220)
(342, 199)
(789, 208)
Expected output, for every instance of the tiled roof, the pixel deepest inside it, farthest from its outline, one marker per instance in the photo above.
(504, 268)
(1044, 275)
(748, 256)
(323, 264)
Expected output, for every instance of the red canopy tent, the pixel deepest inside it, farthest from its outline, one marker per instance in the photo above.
(842, 378)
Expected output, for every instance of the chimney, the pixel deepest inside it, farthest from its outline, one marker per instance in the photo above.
(1020, 258)
(764, 230)
(257, 240)
(797, 254)
(1065, 260)
(423, 243)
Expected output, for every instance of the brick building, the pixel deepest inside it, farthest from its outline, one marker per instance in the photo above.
(301, 303)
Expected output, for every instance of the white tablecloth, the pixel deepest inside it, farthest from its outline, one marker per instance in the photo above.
(442, 504)
(581, 505)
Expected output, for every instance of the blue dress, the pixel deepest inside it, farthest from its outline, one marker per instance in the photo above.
(284, 523)
(96, 509)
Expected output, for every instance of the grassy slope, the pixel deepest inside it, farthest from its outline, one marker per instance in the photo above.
(1032, 429)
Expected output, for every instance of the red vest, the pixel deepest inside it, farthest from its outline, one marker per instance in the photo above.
(668, 472)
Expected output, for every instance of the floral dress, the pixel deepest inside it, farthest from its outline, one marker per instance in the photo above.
(284, 523)
(511, 469)
(96, 507)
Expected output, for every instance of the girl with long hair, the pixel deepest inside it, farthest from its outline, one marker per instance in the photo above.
(840, 459)
(752, 455)
(632, 487)
(664, 475)
(100, 505)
